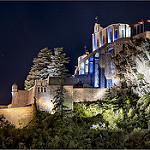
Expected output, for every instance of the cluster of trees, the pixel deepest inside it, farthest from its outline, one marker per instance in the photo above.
(46, 64)
(119, 122)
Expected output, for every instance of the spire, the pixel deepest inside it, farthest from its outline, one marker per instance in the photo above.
(85, 49)
(96, 19)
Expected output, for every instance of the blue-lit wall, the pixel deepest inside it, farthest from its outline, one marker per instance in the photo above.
(101, 43)
(114, 32)
(102, 78)
(96, 74)
(109, 35)
(91, 65)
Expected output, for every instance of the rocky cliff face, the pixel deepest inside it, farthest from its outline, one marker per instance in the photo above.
(132, 66)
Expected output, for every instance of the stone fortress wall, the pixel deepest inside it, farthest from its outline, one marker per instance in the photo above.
(21, 111)
(19, 116)
(88, 94)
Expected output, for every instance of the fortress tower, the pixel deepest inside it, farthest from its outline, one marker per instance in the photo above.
(14, 92)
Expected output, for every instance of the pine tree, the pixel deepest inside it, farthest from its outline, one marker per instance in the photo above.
(59, 99)
(39, 69)
(57, 67)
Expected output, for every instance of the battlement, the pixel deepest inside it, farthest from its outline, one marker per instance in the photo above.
(43, 83)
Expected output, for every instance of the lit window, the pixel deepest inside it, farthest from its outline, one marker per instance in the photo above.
(91, 67)
(91, 58)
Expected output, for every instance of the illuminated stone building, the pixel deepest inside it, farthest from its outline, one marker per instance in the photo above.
(98, 66)
(44, 91)
(93, 76)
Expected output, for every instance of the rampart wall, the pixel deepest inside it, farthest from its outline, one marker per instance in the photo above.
(20, 98)
(19, 116)
(88, 94)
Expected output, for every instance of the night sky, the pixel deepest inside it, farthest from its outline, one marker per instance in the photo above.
(27, 27)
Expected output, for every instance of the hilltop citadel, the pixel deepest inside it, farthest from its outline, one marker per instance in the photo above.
(94, 75)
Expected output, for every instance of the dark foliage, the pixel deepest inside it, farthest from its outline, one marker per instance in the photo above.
(83, 129)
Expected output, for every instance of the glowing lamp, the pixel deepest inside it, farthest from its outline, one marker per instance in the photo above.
(140, 22)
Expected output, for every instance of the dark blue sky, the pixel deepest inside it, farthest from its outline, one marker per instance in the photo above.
(27, 27)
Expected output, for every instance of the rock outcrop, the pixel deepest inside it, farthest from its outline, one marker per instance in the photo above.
(132, 66)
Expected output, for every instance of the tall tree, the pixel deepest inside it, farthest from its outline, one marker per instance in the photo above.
(39, 69)
(57, 67)
(59, 99)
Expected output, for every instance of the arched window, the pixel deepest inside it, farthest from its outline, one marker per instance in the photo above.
(91, 65)
(91, 58)
(41, 89)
